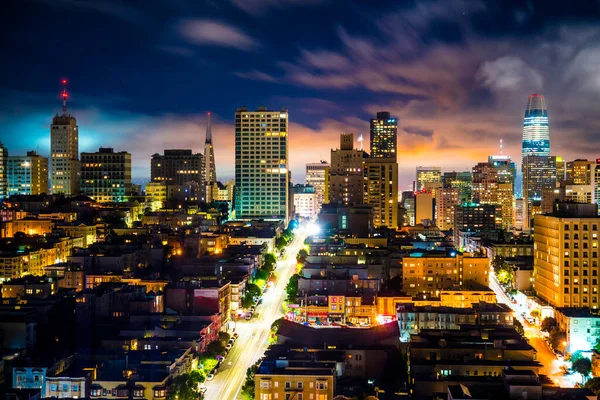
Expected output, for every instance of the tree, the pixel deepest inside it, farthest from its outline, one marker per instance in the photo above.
(253, 290)
(583, 366)
(215, 349)
(301, 257)
(548, 324)
(498, 263)
(269, 262)
(594, 385)
(186, 386)
(280, 242)
(247, 301)
(223, 338)
(535, 314)
(558, 339)
(291, 289)
(518, 327)
(248, 387)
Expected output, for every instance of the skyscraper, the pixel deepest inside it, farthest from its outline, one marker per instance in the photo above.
(315, 176)
(493, 183)
(3, 171)
(462, 181)
(65, 168)
(27, 174)
(536, 131)
(106, 175)
(381, 171)
(210, 170)
(539, 174)
(177, 167)
(261, 164)
(446, 201)
(346, 173)
(384, 131)
(428, 178)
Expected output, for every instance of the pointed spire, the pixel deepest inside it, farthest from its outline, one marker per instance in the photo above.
(64, 97)
(500, 146)
(208, 131)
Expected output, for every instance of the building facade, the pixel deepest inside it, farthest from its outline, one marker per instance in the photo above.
(493, 183)
(346, 172)
(536, 130)
(177, 167)
(381, 191)
(210, 169)
(428, 178)
(262, 183)
(315, 176)
(384, 132)
(106, 175)
(65, 167)
(305, 201)
(27, 174)
(446, 201)
(566, 256)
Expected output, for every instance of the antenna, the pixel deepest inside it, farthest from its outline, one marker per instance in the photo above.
(208, 138)
(500, 146)
(360, 140)
(64, 97)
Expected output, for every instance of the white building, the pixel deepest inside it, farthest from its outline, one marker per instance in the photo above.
(315, 177)
(261, 164)
(581, 326)
(306, 203)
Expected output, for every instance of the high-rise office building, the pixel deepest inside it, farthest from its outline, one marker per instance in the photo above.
(65, 167)
(3, 171)
(561, 169)
(446, 201)
(345, 175)
(315, 176)
(106, 175)
(597, 182)
(539, 174)
(493, 183)
(463, 181)
(381, 171)
(177, 167)
(381, 190)
(566, 256)
(424, 208)
(261, 164)
(210, 169)
(536, 131)
(428, 178)
(580, 172)
(476, 218)
(384, 132)
(27, 174)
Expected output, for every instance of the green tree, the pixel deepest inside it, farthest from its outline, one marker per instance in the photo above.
(253, 290)
(594, 385)
(291, 289)
(186, 386)
(248, 387)
(301, 257)
(269, 262)
(583, 366)
(280, 243)
(548, 324)
(247, 301)
(498, 263)
(215, 349)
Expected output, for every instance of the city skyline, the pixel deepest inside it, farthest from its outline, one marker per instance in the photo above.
(481, 97)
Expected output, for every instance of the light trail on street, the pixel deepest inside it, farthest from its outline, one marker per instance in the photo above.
(551, 365)
(254, 334)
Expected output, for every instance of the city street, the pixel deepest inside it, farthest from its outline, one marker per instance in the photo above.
(254, 334)
(551, 365)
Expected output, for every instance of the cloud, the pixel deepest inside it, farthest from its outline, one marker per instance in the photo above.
(176, 50)
(259, 7)
(413, 130)
(213, 33)
(256, 75)
(509, 73)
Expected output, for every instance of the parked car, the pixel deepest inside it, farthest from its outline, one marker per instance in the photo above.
(235, 335)
(210, 377)
(248, 316)
(259, 302)
(228, 347)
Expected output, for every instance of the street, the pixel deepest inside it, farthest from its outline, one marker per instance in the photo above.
(551, 365)
(254, 334)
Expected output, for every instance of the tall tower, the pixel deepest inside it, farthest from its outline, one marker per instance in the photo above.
(210, 170)
(381, 171)
(346, 181)
(261, 164)
(384, 132)
(64, 152)
(536, 131)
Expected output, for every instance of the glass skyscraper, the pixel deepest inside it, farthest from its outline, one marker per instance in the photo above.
(536, 132)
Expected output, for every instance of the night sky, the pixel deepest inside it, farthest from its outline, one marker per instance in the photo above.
(457, 74)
